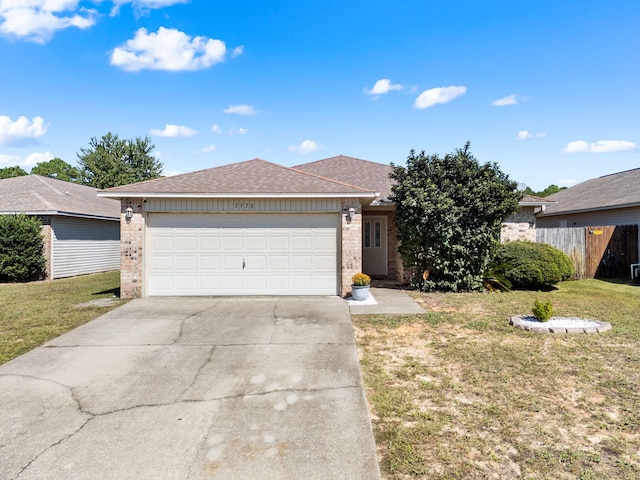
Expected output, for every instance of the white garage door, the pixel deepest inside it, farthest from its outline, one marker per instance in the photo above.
(242, 254)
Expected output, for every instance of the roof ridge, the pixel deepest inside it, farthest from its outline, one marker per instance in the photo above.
(618, 173)
(329, 179)
(189, 173)
(44, 181)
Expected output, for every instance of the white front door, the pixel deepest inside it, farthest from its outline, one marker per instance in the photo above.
(242, 254)
(374, 245)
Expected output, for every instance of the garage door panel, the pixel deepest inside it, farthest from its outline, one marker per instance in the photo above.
(186, 263)
(202, 254)
(209, 242)
(325, 262)
(186, 282)
(232, 263)
(209, 263)
(186, 243)
(162, 244)
(209, 283)
(232, 242)
(302, 243)
(278, 243)
(162, 263)
(278, 263)
(232, 282)
(256, 243)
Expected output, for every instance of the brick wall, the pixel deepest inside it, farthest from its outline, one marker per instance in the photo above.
(131, 249)
(519, 226)
(351, 244)
(45, 230)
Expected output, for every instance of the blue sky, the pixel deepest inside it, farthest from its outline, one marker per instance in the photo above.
(549, 90)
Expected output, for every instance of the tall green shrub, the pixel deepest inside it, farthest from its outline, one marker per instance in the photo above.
(534, 265)
(449, 213)
(21, 248)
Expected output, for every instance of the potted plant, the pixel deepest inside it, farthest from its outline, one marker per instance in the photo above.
(360, 284)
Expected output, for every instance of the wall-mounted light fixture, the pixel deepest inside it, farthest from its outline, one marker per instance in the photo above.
(128, 213)
(350, 214)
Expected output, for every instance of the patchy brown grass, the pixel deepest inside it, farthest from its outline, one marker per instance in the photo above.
(34, 313)
(458, 393)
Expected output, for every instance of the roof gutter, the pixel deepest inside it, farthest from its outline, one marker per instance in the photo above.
(57, 213)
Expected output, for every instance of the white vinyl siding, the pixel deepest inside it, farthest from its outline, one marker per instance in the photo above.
(242, 254)
(618, 216)
(80, 246)
(257, 205)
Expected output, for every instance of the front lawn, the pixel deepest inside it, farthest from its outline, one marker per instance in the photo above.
(457, 393)
(34, 313)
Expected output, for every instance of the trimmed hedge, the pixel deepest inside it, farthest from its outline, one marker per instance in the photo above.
(534, 265)
(21, 247)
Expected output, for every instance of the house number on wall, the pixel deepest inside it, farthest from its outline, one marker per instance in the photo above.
(243, 206)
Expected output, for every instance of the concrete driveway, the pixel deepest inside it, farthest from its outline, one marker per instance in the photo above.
(192, 388)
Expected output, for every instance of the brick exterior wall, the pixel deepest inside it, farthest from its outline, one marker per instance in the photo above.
(131, 249)
(351, 244)
(45, 230)
(519, 226)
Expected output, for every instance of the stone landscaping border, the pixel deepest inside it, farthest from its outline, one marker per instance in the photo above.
(559, 325)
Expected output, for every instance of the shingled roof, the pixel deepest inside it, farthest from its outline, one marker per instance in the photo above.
(251, 178)
(364, 173)
(618, 190)
(38, 195)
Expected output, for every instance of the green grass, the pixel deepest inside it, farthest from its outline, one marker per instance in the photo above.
(457, 393)
(34, 313)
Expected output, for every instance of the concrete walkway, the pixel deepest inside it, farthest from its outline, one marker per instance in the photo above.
(192, 388)
(391, 301)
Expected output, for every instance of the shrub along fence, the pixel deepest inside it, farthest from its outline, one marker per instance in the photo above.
(596, 252)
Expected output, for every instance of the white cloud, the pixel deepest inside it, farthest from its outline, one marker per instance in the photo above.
(22, 129)
(172, 131)
(207, 149)
(171, 173)
(28, 161)
(383, 86)
(603, 146)
(508, 100)
(216, 129)
(236, 52)
(140, 6)
(238, 131)
(168, 49)
(37, 157)
(247, 110)
(434, 96)
(563, 182)
(525, 135)
(38, 20)
(307, 146)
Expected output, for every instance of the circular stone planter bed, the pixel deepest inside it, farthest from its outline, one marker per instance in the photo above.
(559, 325)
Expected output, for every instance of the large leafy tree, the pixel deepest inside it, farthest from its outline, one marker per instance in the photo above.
(449, 214)
(57, 168)
(550, 190)
(111, 161)
(10, 172)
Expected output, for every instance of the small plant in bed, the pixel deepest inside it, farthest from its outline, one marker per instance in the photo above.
(542, 311)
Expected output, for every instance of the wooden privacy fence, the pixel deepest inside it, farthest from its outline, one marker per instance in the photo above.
(596, 252)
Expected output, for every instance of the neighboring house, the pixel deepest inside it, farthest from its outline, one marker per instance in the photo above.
(258, 228)
(81, 232)
(522, 224)
(609, 200)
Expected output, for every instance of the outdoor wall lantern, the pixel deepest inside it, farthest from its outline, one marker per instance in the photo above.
(350, 214)
(128, 213)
